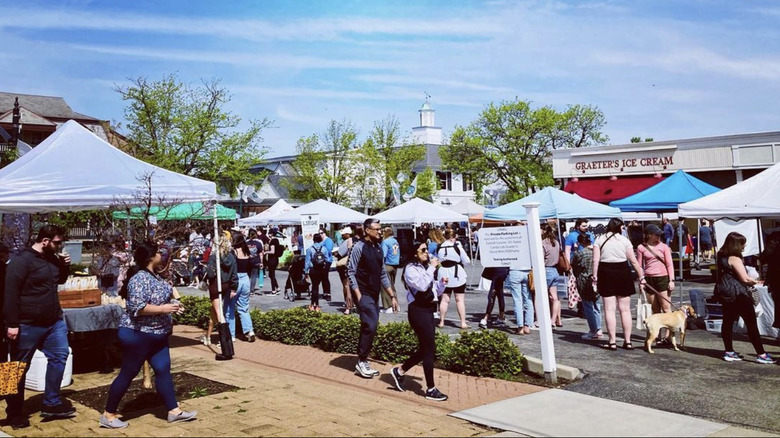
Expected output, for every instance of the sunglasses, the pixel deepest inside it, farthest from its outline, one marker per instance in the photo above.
(56, 242)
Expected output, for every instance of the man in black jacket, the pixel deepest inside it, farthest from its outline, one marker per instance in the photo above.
(367, 277)
(33, 318)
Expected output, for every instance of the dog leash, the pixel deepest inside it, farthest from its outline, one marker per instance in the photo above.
(659, 294)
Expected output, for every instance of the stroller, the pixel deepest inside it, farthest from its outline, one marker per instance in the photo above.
(296, 279)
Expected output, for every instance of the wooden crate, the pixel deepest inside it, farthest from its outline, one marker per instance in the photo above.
(79, 298)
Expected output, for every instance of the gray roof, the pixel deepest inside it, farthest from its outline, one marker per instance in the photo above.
(46, 106)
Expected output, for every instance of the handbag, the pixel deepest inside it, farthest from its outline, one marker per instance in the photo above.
(10, 375)
(563, 264)
(643, 310)
(572, 292)
(531, 286)
(728, 288)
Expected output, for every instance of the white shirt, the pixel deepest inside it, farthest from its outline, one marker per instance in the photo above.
(456, 275)
(614, 250)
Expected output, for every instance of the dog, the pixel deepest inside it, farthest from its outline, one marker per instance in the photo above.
(674, 321)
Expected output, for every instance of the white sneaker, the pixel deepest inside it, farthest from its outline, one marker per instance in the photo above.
(363, 370)
(483, 324)
(205, 340)
(389, 310)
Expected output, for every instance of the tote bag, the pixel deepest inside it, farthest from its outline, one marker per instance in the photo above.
(10, 374)
(643, 310)
(572, 292)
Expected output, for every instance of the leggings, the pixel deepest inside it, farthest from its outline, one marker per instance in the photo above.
(273, 262)
(496, 291)
(137, 347)
(741, 307)
(421, 320)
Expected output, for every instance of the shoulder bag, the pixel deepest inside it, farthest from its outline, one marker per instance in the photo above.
(563, 264)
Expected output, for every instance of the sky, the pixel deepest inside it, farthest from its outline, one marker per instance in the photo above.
(661, 69)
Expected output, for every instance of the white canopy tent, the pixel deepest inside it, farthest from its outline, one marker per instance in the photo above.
(74, 169)
(328, 213)
(279, 207)
(417, 211)
(756, 197)
(467, 207)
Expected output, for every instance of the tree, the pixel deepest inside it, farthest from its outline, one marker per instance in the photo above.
(324, 167)
(368, 190)
(639, 139)
(427, 184)
(186, 130)
(512, 142)
(394, 159)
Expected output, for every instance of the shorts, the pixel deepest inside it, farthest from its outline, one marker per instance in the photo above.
(553, 277)
(660, 284)
(342, 270)
(705, 246)
(615, 280)
(458, 290)
(214, 293)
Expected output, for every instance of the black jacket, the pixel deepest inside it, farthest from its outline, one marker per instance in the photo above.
(31, 289)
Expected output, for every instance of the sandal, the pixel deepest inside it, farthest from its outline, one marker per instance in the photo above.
(610, 346)
(628, 346)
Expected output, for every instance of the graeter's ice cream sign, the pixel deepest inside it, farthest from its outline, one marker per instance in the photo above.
(649, 162)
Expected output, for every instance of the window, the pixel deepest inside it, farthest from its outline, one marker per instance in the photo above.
(468, 182)
(445, 180)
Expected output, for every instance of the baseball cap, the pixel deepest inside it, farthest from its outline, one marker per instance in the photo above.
(654, 229)
(346, 230)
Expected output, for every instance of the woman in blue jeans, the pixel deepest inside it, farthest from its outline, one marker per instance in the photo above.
(144, 330)
(241, 300)
(517, 281)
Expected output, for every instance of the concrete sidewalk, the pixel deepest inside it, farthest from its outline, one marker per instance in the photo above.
(303, 391)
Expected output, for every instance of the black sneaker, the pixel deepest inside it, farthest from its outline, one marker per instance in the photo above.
(435, 394)
(17, 422)
(62, 410)
(398, 379)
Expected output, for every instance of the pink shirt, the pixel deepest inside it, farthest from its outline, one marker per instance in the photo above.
(650, 263)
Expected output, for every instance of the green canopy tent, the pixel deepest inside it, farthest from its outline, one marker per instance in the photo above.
(187, 211)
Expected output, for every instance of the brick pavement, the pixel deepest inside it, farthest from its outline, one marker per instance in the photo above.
(291, 391)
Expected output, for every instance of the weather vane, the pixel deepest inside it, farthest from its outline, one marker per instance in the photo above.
(427, 96)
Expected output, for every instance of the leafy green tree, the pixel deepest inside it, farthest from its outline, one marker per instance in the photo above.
(324, 167)
(394, 158)
(427, 184)
(512, 142)
(368, 190)
(186, 129)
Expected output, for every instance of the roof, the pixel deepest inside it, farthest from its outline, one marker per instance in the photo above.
(667, 195)
(45, 106)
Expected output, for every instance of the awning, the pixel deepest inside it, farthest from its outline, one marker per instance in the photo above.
(605, 190)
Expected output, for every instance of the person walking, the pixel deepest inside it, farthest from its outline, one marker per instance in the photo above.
(144, 330)
(422, 293)
(317, 269)
(341, 267)
(614, 280)
(256, 255)
(275, 251)
(367, 277)
(655, 258)
(552, 253)
(33, 321)
(731, 264)
(229, 278)
(706, 240)
(392, 259)
(241, 301)
(497, 278)
(453, 259)
(668, 232)
(582, 266)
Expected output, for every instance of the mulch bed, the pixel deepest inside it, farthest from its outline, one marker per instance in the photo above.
(137, 398)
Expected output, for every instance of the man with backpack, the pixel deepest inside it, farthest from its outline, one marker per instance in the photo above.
(317, 268)
(256, 252)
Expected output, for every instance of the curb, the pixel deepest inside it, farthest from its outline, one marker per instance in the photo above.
(534, 365)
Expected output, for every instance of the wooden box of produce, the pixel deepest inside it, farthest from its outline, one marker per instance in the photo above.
(79, 298)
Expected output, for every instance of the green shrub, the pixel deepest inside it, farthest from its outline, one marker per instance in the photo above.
(485, 353)
(443, 350)
(339, 333)
(296, 326)
(197, 312)
(394, 342)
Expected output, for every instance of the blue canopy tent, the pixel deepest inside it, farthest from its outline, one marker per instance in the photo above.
(667, 195)
(554, 203)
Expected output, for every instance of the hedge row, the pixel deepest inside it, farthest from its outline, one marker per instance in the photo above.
(485, 353)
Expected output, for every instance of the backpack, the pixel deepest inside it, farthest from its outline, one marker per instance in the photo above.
(449, 263)
(319, 261)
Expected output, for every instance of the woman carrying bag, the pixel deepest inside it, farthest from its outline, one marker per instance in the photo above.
(423, 293)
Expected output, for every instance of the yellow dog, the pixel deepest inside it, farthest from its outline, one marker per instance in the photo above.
(674, 321)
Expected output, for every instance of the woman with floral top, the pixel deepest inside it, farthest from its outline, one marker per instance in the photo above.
(144, 330)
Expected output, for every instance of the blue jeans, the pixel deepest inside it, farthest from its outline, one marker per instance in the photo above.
(136, 348)
(53, 342)
(521, 295)
(242, 305)
(592, 311)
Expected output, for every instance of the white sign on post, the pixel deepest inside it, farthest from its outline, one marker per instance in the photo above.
(505, 247)
(310, 224)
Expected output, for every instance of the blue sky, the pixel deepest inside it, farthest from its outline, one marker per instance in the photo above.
(661, 69)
